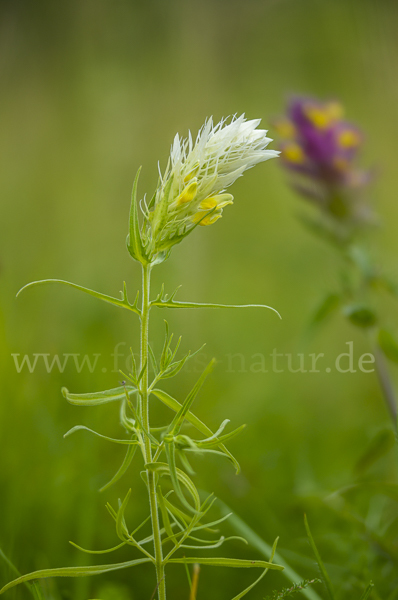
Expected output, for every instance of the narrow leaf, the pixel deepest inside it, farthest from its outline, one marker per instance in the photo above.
(96, 398)
(173, 304)
(170, 454)
(104, 437)
(134, 241)
(165, 515)
(216, 440)
(178, 420)
(236, 563)
(153, 360)
(123, 467)
(250, 587)
(73, 572)
(164, 469)
(98, 551)
(120, 522)
(116, 301)
(193, 419)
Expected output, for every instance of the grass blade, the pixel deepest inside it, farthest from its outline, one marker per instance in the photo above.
(324, 573)
(257, 542)
(33, 588)
(368, 591)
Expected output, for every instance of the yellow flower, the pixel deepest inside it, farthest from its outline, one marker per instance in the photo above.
(208, 220)
(323, 116)
(220, 200)
(349, 138)
(292, 152)
(189, 193)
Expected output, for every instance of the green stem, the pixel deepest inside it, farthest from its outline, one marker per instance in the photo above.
(386, 386)
(157, 540)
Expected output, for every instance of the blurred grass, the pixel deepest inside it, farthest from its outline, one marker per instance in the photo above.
(93, 89)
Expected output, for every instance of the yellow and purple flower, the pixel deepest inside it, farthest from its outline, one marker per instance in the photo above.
(320, 149)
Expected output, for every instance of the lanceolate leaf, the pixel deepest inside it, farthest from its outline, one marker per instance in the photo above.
(95, 398)
(120, 522)
(123, 467)
(236, 563)
(164, 469)
(215, 441)
(134, 241)
(193, 419)
(73, 572)
(170, 454)
(178, 420)
(104, 437)
(122, 303)
(173, 304)
(98, 551)
(165, 515)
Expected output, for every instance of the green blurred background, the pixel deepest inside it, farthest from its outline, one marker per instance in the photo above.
(90, 91)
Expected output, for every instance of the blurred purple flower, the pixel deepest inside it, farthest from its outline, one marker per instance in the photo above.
(320, 149)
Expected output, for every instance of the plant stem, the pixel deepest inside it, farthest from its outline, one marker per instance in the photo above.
(157, 541)
(386, 386)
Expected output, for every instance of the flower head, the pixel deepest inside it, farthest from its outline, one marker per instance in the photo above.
(192, 190)
(320, 148)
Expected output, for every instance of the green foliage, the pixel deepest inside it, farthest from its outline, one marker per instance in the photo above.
(360, 315)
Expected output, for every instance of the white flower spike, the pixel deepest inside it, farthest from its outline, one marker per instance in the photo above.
(192, 191)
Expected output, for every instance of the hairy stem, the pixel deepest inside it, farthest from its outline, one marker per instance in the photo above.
(146, 276)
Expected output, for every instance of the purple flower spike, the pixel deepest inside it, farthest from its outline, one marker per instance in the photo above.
(319, 148)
